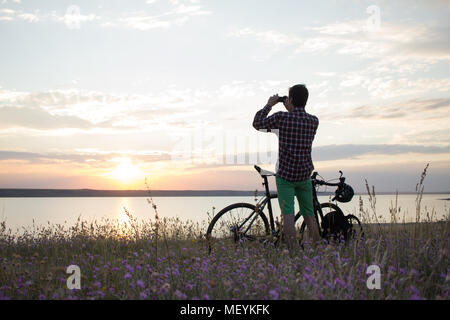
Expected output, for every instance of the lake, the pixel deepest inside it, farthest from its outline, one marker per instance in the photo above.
(20, 212)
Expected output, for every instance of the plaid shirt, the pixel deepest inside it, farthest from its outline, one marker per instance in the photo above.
(296, 135)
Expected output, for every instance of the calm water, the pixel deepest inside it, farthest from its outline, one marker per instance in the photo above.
(20, 212)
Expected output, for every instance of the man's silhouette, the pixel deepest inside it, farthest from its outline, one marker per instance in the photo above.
(296, 131)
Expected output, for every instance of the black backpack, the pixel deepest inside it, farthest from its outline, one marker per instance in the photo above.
(335, 226)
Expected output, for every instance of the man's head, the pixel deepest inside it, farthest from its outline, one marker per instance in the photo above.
(298, 97)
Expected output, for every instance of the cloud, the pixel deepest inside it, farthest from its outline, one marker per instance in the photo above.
(394, 43)
(414, 109)
(98, 159)
(346, 151)
(80, 109)
(270, 36)
(11, 117)
(178, 13)
(438, 136)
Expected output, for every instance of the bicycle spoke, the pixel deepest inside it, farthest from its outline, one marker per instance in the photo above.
(239, 224)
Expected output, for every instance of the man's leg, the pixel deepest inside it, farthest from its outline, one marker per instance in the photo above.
(303, 191)
(286, 195)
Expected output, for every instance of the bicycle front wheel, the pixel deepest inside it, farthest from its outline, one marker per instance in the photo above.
(238, 222)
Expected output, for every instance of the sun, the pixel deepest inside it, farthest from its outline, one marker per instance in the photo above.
(126, 172)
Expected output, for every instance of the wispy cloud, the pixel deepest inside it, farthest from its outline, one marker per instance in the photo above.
(412, 110)
(347, 151)
(80, 109)
(176, 14)
(36, 118)
(97, 159)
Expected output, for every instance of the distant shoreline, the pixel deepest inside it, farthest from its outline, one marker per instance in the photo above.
(55, 193)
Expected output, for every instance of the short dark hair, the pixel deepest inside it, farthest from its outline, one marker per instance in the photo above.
(299, 95)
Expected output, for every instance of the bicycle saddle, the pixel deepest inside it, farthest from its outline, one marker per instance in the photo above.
(264, 173)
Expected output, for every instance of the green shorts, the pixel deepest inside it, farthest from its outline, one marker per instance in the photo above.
(302, 190)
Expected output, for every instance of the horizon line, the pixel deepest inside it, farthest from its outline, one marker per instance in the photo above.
(25, 192)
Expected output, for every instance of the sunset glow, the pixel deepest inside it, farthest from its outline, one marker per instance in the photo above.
(125, 172)
(102, 95)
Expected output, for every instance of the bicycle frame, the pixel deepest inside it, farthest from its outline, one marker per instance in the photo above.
(266, 201)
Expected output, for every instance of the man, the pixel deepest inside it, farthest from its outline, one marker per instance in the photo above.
(296, 131)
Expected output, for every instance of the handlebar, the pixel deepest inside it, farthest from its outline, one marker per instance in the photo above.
(318, 182)
(324, 183)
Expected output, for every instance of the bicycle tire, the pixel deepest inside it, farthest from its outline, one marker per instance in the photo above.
(356, 234)
(232, 233)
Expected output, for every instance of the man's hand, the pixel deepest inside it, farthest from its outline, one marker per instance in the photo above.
(273, 100)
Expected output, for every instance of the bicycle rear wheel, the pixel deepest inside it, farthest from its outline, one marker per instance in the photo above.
(356, 230)
(352, 230)
(328, 209)
(238, 222)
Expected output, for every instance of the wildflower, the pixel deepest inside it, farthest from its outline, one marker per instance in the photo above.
(273, 294)
(165, 288)
(340, 282)
(328, 283)
(180, 294)
(205, 296)
(414, 272)
(127, 276)
(140, 284)
(143, 295)
(415, 293)
(129, 268)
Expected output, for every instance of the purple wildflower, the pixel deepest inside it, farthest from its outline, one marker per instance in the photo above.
(340, 282)
(180, 295)
(140, 284)
(274, 294)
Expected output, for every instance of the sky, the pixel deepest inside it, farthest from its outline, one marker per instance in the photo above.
(110, 94)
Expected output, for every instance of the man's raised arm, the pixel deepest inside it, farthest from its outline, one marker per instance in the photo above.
(261, 121)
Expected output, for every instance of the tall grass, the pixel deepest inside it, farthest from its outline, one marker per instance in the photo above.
(161, 258)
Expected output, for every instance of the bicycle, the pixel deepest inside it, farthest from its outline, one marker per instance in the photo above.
(247, 222)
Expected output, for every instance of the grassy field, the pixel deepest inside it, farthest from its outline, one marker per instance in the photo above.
(169, 259)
